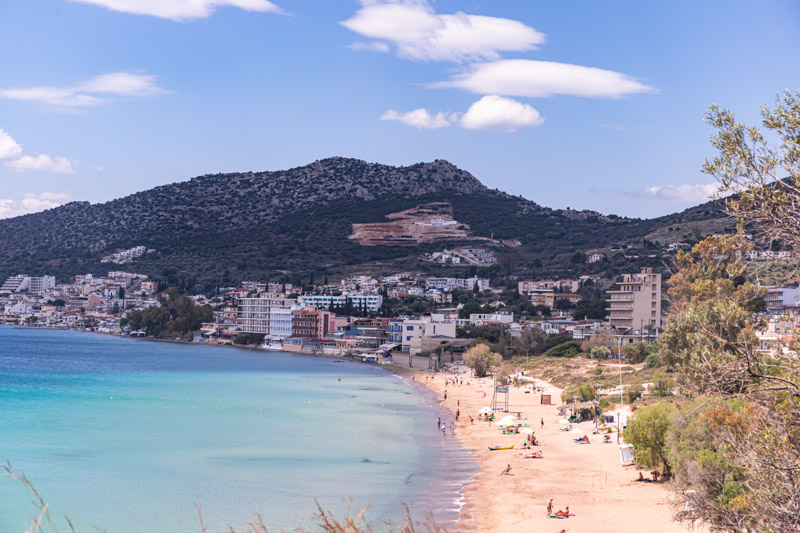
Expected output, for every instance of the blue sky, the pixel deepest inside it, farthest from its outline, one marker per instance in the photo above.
(588, 105)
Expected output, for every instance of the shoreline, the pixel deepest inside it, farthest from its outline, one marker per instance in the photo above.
(589, 479)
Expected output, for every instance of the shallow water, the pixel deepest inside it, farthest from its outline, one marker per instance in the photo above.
(130, 436)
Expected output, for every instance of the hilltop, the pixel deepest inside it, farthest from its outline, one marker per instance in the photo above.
(221, 228)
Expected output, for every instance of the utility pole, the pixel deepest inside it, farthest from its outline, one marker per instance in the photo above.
(619, 355)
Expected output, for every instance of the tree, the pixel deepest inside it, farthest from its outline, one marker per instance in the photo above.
(592, 308)
(530, 342)
(562, 304)
(710, 338)
(600, 352)
(761, 170)
(702, 464)
(636, 352)
(481, 359)
(470, 308)
(648, 434)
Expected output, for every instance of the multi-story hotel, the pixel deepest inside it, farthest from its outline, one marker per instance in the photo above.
(636, 305)
(255, 314)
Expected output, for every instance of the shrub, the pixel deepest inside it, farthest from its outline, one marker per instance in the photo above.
(565, 349)
(601, 352)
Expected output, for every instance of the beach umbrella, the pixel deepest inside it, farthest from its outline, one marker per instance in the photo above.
(505, 421)
(576, 430)
(486, 411)
(525, 430)
(563, 421)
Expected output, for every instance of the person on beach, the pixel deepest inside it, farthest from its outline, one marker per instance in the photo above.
(550, 507)
(445, 394)
(506, 470)
(458, 403)
(458, 413)
(444, 429)
(439, 423)
(542, 423)
(471, 420)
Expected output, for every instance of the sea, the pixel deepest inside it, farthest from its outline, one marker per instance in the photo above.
(126, 435)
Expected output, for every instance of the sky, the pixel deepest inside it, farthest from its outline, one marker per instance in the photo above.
(587, 105)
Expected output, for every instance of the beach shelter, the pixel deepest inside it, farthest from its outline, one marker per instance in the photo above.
(525, 430)
(486, 411)
(505, 421)
(563, 421)
(576, 430)
(626, 454)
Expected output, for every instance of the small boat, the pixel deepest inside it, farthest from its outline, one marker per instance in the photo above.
(493, 448)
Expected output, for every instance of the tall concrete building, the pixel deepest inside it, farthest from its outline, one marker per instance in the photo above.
(255, 314)
(636, 305)
(34, 285)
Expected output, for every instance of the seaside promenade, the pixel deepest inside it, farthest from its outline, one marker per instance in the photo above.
(587, 478)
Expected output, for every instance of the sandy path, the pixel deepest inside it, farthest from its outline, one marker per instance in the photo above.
(587, 478)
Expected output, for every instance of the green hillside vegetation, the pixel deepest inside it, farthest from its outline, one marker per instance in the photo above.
(293, 226)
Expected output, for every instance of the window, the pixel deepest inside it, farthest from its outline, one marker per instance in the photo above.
(652, 313)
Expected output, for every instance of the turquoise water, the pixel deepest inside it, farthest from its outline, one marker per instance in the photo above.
(130, 436)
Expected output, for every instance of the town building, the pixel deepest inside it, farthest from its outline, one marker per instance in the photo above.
(255, 313)
(34, 285)
(778, 298)
(371, 302)
(636, 304)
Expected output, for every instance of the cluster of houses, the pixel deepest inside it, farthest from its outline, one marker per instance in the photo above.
(125, 256)
(330, 319)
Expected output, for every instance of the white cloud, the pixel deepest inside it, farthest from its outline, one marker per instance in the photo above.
(699, 193)
(374, 46)
(618, 127)
(497, 112)
(418, 33)
(535, 79)
(96, 91)
(420, 118)
(42, 163)
(8, 146)
(32, 203)
(181, 10)
(490, 112)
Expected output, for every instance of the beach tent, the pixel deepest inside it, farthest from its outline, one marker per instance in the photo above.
(563, 421)
(525, 430)
(576, 430)
(626, 454)
(486, 411)
(505, 421)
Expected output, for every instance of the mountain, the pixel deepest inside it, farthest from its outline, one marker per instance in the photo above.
(222, 228)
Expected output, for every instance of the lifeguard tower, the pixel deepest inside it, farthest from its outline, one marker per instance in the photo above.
(500, 395)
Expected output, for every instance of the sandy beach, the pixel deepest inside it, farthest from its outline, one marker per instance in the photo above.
(586, 477)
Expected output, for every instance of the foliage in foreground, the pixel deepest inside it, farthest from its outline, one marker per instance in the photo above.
(740, 471)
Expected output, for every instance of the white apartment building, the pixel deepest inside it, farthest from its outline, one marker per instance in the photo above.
(637, 303)
(372, 302)
(34, 285)
(280, 322)
(255, 313)
(779, 297)
(482, 318)
(436, 325)
(449, 284)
